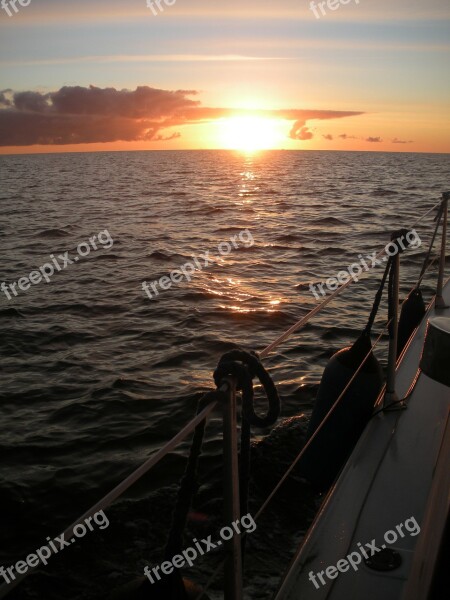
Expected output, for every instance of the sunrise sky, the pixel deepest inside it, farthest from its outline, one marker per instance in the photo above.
(87, 75)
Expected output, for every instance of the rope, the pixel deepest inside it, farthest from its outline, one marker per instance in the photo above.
(310, 315)
(316, 432)
(378, 296)
(189, 484)
(244, 470)
(245, 366)
(391, 298)
(430, 249)
(173, 586)
(379, 338)
(427, 213)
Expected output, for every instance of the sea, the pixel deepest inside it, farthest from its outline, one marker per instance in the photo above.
(97, 374)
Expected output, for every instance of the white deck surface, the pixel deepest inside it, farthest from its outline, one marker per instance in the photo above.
(386, 481)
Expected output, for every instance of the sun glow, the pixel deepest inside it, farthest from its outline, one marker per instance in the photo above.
(249, 133)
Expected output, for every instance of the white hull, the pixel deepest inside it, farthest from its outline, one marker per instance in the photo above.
(392, 475)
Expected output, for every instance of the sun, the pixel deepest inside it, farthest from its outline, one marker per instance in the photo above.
(249, 133)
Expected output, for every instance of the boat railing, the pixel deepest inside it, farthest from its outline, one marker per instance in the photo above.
(444, 210)
(390, 396)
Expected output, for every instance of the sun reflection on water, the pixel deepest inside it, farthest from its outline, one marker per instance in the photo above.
(240, 295)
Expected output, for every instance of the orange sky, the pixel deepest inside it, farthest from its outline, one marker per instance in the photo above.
(101, 75)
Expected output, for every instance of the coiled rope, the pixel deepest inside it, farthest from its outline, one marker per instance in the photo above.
(245, 366)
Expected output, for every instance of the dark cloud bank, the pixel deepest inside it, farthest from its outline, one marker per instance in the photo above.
(82, 115)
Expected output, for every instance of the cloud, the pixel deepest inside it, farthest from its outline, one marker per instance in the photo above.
(328, 136)
(301, 134)
(344, 136)
(5, 100)
(299, 130)
(137, 58)
(397, 141)
(164, 138)
(374, 140)
(30, 101)
(77, 115)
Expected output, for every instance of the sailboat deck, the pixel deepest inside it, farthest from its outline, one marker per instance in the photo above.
(386, 481)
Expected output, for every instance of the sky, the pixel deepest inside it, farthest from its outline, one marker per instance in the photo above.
(92, 75)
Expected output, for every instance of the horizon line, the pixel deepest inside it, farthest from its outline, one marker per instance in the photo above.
(218, 150)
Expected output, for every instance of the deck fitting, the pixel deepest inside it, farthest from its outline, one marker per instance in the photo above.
(385, 560)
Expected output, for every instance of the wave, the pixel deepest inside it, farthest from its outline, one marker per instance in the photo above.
(11, 312)
(178, 359)
(382, 193)
(160, 255)
(328, 221)
(52, 233)
(331, 251)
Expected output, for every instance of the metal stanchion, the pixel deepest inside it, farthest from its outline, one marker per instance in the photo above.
(390, 394)
(440, 303)
(233, 561)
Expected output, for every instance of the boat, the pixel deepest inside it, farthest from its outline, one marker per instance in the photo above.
(387, 512)
(379, 532)
(381, 529)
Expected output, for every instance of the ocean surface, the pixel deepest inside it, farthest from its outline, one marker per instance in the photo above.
(95, 375)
